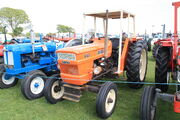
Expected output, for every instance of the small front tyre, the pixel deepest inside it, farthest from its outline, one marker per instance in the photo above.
(53, 90)
(6, 81)
(33, 84)
(148, 103)
(106, 100)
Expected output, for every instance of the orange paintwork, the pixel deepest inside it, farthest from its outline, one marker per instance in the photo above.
(80, 71)
(124, 54)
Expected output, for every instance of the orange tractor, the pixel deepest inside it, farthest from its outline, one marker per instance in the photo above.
(81, 66)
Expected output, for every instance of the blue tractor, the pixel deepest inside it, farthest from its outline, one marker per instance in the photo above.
(31, 62)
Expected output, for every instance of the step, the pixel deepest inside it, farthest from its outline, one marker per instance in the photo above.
(73, 95)
(71, 99)
(72, 92)
(72, 86)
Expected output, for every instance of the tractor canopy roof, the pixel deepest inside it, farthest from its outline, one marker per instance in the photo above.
(111, 14)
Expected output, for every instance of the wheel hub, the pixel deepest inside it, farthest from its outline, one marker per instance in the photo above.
(110, 101)
(37, 85)
(57, 89)
(7, 79)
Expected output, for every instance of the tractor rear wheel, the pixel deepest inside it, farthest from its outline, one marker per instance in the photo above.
(136, 66)
(53, 91)
(6, 81)
(148, 103)
(106, 100)
(33, 84)
(161, 69)
(155, 50)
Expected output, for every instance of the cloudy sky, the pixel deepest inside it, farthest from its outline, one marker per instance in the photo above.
(46, 14)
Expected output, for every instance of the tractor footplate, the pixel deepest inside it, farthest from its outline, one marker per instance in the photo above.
(72, 93)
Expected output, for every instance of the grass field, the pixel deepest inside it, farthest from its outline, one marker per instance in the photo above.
(15, 107)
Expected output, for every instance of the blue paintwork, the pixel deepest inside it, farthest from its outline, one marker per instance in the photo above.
(23, 61)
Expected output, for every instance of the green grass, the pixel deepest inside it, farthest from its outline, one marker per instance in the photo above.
(15, 107)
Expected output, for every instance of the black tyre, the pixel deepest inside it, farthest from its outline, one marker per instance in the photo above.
(136, 66)
(14, 41)
(1, 60)
(149, 44)
(6, 81)
(53, 90)
(155, 50)
(148, 103)
(106, 100)
(161, 69)
(33, 84)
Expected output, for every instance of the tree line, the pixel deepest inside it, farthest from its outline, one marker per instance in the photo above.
(16, 19)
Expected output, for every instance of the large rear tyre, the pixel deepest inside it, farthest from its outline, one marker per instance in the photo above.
(148, 103)
(106, 100)
(137, 64)
(161, 69)
(53, 90)
(6, 81)
(33, 84)
(155, 50)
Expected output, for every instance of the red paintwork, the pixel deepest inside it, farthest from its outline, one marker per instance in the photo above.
(1, 50)
(173, 42)
(176, 105)
(179, 57)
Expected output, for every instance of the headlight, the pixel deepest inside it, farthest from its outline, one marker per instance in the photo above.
(66, 56)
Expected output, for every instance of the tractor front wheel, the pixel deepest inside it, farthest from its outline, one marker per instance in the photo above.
(136, 64)
(6, 81)
(33, 84)
(148, 103)
(106, 100)
(53, 90)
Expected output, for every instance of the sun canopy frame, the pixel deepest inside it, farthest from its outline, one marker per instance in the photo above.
(111, 14)
(108, 14)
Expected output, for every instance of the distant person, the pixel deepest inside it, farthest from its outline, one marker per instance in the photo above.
(124, 36)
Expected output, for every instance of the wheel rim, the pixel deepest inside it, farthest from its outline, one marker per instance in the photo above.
(7, 81)
(110, 101)
(168, 77)
(37, 85)
(142, 65)
(178, 76)
(57, 91)
(153, 108)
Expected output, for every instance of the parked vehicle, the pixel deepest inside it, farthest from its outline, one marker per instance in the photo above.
(167, 64)
(81, 67)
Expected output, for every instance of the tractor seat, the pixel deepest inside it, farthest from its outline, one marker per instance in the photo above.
(115, 42)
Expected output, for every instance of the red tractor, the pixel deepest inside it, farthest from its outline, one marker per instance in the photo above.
(167, 64)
